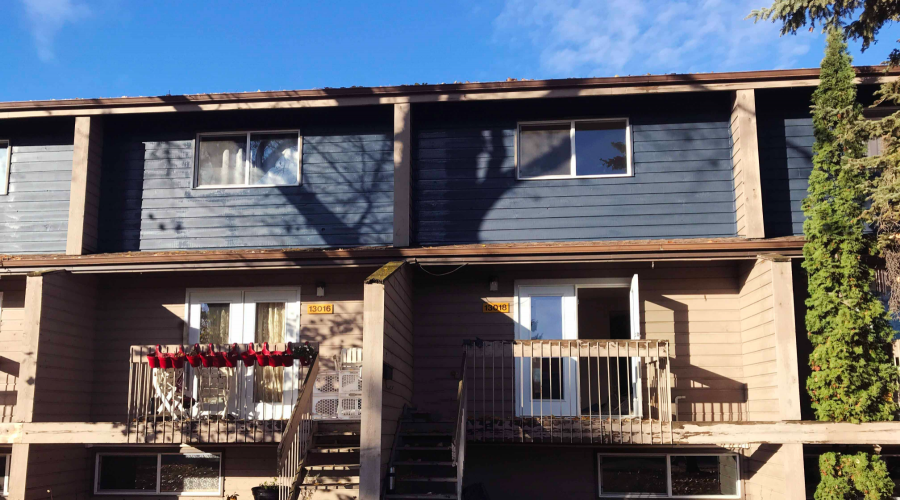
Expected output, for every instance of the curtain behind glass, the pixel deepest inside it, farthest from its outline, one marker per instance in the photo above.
(214, 321)
(269, 381)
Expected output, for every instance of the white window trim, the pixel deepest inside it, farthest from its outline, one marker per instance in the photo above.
(98, 491)
(196, 174)
(6, 474)
(668, 457)
(4, 181)
(572, 173)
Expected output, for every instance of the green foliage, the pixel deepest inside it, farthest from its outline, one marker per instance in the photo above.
(830, 14)
(852, 374)
(846, 476)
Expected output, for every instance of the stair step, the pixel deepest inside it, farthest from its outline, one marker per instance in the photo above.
(332, 467)
(334, 449)
(427, 479)
(410, 496)
(425, 448)
(337, 433)
(447, 464)
(427, 433)
(327, 486)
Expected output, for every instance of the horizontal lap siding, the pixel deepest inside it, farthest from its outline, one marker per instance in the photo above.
(398, 352)
(59, 471)
(785, 160)
(64, 377)
(465, 188)
(150, 310)
(12, 318)
(34, 215)
(696, 306)
(346, 198)
(758, 342)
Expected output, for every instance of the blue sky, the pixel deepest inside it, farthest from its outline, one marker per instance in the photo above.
(59, 49)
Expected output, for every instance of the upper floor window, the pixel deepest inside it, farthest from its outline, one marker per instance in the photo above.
(248, 159)
(574, 148)
(4, 166)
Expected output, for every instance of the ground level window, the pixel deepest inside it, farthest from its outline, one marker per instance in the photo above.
(4, 463)
(160, 473)
(669, 476)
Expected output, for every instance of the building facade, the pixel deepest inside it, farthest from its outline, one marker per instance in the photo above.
(585, 288)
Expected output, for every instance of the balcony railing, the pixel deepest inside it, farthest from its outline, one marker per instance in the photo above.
(569, 391)
(209, 404)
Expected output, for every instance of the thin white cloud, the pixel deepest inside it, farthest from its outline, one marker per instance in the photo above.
(602, 38)
(47, 17)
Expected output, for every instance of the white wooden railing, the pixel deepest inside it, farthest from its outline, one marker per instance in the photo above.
(297, 438)
(569, 391)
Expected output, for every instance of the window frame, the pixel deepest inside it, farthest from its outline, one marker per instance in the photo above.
(98, 491)
(4, 180)
(572, 166)
(668, 494)
(6, 472)
(195, 178)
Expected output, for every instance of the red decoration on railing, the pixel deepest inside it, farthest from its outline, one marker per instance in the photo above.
(231, 358)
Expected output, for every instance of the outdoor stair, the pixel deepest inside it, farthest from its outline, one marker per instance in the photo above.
(331, 469)
(423, 463)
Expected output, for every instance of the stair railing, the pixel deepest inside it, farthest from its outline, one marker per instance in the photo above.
(297, 438)
(459, 433)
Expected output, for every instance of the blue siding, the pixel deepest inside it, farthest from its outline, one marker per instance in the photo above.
(34, 215)
(785, 158)
(346, 198)
(465, 188)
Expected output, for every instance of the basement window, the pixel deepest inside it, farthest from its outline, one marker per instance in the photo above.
(574, 149)
(685, 475)
(4, 166)
(193, 474)
(248, 159)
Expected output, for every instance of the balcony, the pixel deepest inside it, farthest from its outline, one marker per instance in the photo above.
(568, 391)
(240, 403)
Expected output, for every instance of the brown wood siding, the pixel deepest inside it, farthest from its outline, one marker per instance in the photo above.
(694, 305)
(758, 342)
(149, 309)
(64, 374)
(12, 318)
(64, 470)
(398, 352)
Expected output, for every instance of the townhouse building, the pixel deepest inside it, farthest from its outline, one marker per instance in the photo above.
(579, 288)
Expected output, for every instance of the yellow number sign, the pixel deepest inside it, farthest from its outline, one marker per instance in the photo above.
(495, 307)
(319, 308)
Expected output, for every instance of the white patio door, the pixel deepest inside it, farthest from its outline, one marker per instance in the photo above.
(547, 385)
(246, 317)
(636, 372)
(271, 316)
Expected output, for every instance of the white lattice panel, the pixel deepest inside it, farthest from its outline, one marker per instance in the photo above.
(327, 382)
(351, 407)
(326, 406)
(350, 381)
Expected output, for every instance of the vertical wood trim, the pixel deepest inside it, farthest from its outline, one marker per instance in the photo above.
(18, 471)
(34, 293)
(792, 461)
(745, 158)
(85, 187)
(372, 397)
(786, 340)
(402, 173)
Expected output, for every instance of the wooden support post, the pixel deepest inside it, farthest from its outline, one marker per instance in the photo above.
(745, 164)
(786, 340)
(84, 197)
(402, 173)
(372, 378)
(792, 460)
(18, 471)
(34, 296)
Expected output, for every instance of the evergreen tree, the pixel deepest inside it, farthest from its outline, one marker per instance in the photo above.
(852, 376)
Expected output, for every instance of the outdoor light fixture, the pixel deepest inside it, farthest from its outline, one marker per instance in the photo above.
(495, 284)
(320, 289)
